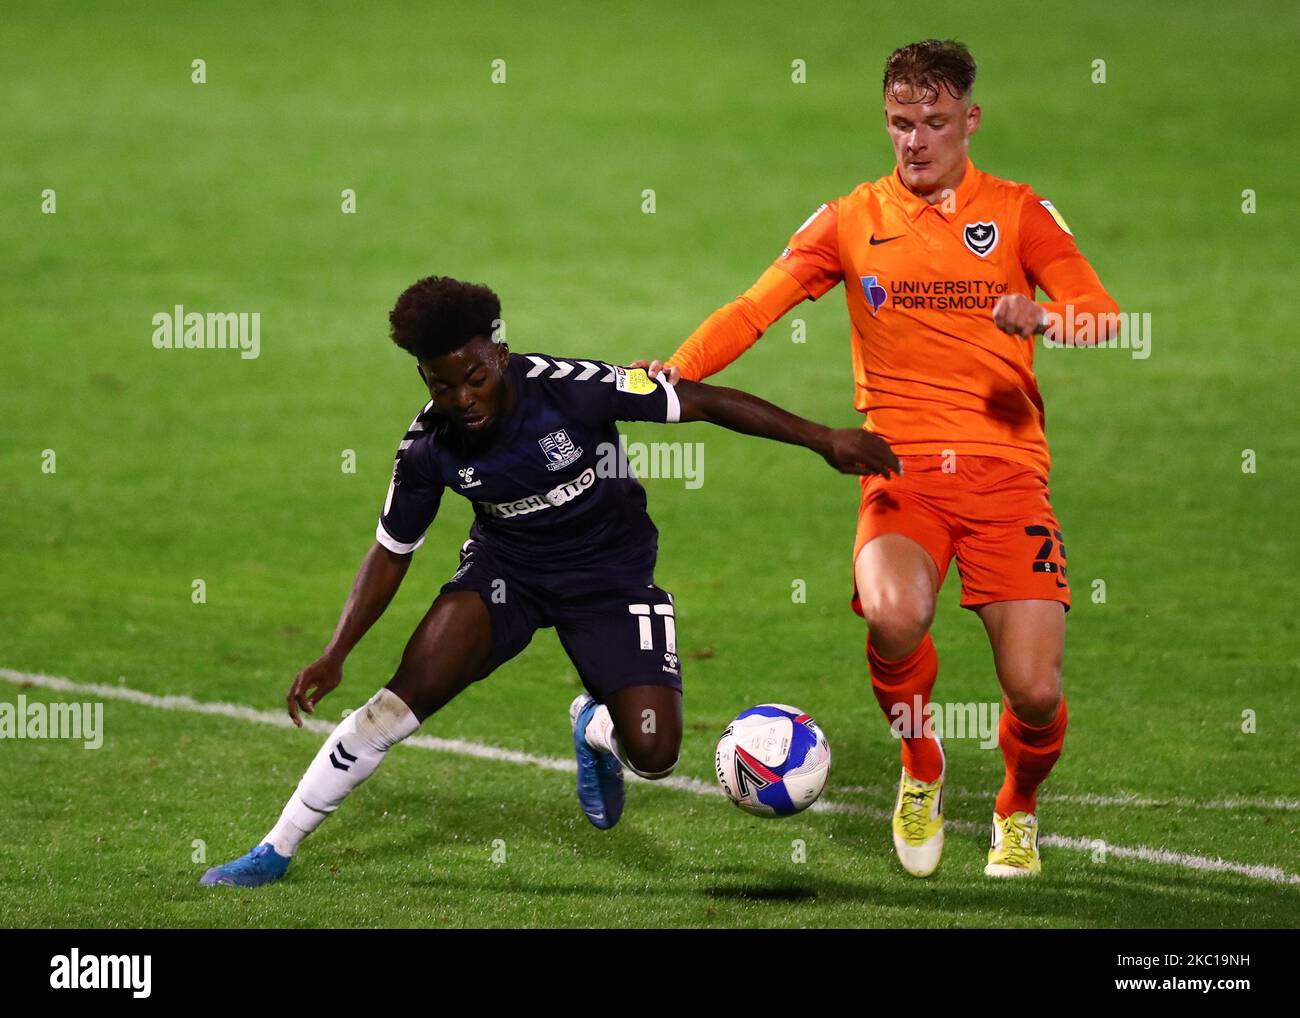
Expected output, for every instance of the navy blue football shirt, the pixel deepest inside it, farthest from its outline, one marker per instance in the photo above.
(550, 486)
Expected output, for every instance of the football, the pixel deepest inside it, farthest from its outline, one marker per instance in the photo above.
(773, 760)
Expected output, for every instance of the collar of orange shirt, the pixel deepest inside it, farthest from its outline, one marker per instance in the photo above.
(914, 205)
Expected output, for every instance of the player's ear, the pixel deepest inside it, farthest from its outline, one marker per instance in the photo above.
(973, 119)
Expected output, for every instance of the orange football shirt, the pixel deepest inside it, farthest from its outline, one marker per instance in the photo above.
(932, 371)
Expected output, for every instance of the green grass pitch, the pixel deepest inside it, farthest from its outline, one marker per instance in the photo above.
(172, 466)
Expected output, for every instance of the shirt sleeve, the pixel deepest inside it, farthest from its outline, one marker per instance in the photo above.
(807, 268)
(601, 392)
(414, 494)
(1053, 262)
(735, 327)
(813, 254)
(1044, 237)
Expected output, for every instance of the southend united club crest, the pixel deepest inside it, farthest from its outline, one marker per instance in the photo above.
(559, 448)
(981, 238)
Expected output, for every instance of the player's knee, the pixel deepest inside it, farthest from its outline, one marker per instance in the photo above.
(656, 775)
(424, 689)
(653, 760)
(1036, 702)
(412, 687)
(383, 721)
(898, 618)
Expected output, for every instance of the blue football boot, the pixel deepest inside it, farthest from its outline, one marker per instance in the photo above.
(261, 865)
(600, 775)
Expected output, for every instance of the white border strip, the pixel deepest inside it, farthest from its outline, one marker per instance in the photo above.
(384, 538)
(674, 414)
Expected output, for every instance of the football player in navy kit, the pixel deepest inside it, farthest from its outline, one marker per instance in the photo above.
(561, 539)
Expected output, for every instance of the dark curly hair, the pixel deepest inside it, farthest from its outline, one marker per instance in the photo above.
(931, 65)
(439, 314)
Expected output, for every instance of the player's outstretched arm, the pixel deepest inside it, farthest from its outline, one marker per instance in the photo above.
(848, 450)
(377, 581)
(808, 267)
(732, 329)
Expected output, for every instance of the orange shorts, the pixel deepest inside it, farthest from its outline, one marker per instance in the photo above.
(993, 514)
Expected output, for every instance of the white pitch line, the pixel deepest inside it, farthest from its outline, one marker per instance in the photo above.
(481, 751)
(1129, 799)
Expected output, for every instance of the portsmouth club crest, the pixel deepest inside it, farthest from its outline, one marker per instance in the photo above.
(981, 238)
(560, 450)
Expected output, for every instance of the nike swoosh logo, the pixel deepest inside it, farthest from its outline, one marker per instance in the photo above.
(881, 240)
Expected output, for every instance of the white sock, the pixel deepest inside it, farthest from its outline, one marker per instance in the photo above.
(350, 755)
(600, 734)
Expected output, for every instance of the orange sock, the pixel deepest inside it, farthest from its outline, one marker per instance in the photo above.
(908, 681)
(1029, 753)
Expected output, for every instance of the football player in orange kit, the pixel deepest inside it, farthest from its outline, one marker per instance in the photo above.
(940, 264)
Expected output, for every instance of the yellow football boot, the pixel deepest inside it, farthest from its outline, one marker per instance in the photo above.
(918, 824)
(1015, 846)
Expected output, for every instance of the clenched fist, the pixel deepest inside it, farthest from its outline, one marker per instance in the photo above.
(855, 451)
(1017, 314)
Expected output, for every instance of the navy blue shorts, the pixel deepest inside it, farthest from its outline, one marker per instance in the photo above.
(617, 637)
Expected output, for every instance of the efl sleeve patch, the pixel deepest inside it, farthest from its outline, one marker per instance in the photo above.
(1060, 219)
(635, 396)
(634, 380)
